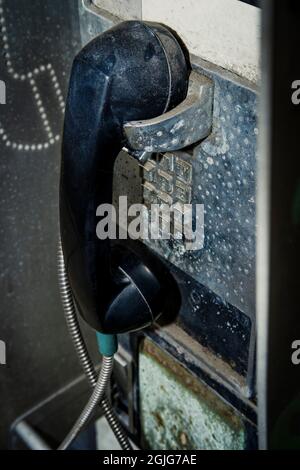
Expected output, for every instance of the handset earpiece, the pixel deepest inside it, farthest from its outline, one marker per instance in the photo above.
(133, 71)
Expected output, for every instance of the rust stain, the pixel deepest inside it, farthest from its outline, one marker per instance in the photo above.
(158, 418)
(183, 439)
(183, 376)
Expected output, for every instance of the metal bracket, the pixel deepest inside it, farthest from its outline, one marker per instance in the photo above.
(188, 123)
(123, 377)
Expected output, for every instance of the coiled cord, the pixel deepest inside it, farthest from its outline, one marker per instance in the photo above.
(98, 392)
(81, 349)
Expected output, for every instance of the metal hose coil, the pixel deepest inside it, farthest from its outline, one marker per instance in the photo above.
(81, 349)
(87, 412)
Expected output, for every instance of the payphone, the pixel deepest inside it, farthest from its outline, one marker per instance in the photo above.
(202, 151)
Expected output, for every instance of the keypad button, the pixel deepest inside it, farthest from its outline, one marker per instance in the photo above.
(165, 181)
(150, 193)
(183, 170)
(165, 198)
(167, 162)
(182, 192)
(150, 171)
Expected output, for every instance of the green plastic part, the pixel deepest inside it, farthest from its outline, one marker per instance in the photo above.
(107, 344)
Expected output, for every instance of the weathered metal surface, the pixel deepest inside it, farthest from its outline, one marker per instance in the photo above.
(184, 125)
(219, 309)
(90, 25)
(180, 412)
(217, 325)
(224, 170)
(217, 283)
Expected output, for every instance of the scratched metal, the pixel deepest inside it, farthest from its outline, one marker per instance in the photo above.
(180, 412)
(186, 124)
(90, 23)
(224, 172)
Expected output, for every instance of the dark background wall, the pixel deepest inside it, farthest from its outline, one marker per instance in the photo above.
(38, 40)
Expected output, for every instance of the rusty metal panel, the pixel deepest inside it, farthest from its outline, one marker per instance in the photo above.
(180, 412)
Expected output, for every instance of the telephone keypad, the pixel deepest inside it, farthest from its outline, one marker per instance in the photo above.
(167, 179)
(170, 178)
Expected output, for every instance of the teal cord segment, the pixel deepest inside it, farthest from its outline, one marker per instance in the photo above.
(107, 344)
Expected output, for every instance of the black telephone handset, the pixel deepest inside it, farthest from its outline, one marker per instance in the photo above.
(133, 71)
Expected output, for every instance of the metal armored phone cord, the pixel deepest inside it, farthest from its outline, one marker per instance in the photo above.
(81, 349)
(98, 392)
